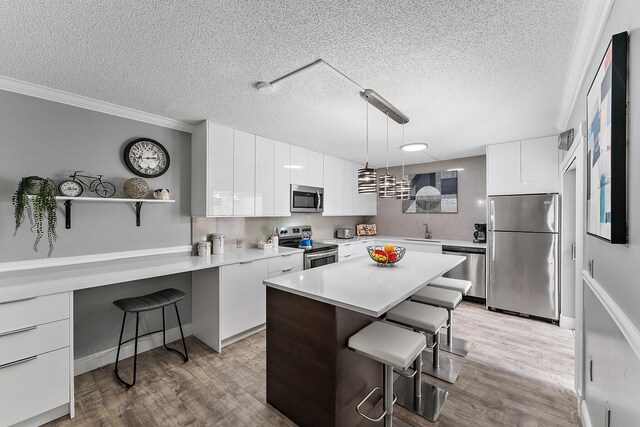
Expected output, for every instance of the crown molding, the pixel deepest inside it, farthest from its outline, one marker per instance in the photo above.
(55, 95)
(590, 28)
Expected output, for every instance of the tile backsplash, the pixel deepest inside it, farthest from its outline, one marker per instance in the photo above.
(252, 230)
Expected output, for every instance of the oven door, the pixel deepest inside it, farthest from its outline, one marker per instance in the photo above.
(306, 199)
(318, 259)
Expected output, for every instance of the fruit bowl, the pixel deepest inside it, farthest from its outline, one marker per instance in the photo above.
(386, 255)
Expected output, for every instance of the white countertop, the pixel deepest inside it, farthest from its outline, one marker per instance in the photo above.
(360, 285)
(43, 281)
(462, 243)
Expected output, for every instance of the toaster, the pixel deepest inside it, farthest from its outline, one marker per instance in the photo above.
(345, 233)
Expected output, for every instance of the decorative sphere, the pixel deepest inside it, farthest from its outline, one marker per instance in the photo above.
(136, 188)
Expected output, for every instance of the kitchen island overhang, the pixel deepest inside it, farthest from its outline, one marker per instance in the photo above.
(312, 377)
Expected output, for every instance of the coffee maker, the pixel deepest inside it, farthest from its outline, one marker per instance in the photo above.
(480, 235)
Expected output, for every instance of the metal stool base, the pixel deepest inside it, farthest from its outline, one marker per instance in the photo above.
(428, 406)
(448, 369)
(459, 346)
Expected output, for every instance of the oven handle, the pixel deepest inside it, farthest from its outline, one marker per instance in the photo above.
(322, 254)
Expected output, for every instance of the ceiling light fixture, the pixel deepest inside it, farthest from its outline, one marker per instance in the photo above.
(367, 176)
(403, 186)
(387, 183)
(414, 146)
(370, 95)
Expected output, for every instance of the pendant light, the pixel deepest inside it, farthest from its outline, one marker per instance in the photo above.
(403, 186)
(387, 183)
(367, 176)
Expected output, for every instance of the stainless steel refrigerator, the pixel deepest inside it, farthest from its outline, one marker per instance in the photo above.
(523, 255)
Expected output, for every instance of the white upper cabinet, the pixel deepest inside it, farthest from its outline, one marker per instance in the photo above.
(299, 165)
(348, 193)
(338, 187)
(365, 204)
(281, 179)
(523, 167)
(265, 176)
(315, 175)
(329, 183)
(244, 178)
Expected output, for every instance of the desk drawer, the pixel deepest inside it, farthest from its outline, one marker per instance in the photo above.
(278, 264)
(34, 311)
(33, 340)
(34, 386)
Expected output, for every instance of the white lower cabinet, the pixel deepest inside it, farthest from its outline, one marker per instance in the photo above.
(352, 250)
(285, 264)
(35, 356)
(243, 302)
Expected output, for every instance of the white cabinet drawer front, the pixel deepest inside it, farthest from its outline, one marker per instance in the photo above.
(34, 386)
(280, 273)
(278, 264)
(35, 311)
(348, 250)
(33, 340)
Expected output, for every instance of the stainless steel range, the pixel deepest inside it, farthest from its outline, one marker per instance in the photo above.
(317, 255)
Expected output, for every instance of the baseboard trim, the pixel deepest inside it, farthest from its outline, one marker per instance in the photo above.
(625, 324)
(83, 259)
(584, 414)
(242, 335)
(106, 357)
(68, 98)
(45, 417)
(567, 322)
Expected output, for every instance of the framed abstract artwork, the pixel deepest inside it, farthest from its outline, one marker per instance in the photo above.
(607, 145)
(435, 192)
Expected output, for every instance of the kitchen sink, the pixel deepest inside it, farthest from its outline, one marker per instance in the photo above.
(415, 239)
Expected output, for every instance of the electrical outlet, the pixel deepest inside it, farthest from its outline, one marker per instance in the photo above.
(590, 263)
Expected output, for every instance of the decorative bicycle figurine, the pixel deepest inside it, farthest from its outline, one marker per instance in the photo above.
(75, 186)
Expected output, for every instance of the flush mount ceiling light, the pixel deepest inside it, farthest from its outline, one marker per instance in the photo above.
(403, 186)
(387, 183)
(414, 146)
(367, 176)
(370, 95)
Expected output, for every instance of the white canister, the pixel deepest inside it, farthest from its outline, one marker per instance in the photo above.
(217, 243)
(204, 248)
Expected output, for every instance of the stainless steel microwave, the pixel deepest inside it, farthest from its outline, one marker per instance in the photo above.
(307, 199)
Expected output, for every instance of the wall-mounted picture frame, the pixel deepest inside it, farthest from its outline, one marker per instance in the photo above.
(607, 145)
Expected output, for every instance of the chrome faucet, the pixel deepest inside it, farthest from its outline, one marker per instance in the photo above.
(427, 232)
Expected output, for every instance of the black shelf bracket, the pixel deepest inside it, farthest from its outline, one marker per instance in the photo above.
(138, 208)
(67, 214)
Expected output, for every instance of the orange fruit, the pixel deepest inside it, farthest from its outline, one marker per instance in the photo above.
(389, 248)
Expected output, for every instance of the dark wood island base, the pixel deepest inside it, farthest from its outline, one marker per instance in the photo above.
(312, 377)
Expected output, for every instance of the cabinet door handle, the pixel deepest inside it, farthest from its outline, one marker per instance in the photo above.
(347, 256)
(18, 362)
(246, 262)
(287, 255)
(284, 270)
(18, 300)
(17, 331)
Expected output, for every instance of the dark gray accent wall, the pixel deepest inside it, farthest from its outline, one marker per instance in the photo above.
(52, 140)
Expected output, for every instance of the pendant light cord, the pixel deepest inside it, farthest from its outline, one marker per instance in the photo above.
(387, 142)
(367, 158)
(403, 155)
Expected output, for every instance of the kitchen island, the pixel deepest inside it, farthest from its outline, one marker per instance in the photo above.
(312, 377)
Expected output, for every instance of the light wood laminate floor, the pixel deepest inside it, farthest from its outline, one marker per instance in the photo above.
(519, 373)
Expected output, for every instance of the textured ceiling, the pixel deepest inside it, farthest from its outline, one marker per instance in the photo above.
(467, 73)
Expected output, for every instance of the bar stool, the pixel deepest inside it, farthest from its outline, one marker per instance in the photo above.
(136, 305)
(451, 284)
(421, 398)
(392, 346)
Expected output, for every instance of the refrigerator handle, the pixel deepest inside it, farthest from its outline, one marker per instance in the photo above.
(492, 214)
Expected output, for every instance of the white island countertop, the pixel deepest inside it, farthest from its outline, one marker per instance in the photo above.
(362, 286)
(400, 239)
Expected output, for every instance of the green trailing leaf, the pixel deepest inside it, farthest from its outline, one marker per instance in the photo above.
(44, 206)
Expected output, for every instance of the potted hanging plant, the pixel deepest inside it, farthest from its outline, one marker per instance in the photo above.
(44, 206)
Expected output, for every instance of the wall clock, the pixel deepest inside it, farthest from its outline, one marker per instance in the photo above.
(146, 157)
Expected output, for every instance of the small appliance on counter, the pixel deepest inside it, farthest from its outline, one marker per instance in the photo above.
(316, 254)
(366, 230)
(345, 233)
(480, 235)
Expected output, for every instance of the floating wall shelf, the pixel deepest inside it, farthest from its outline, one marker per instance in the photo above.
(138, 204)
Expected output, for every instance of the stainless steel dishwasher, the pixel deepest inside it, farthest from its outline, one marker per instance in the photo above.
(473, 268)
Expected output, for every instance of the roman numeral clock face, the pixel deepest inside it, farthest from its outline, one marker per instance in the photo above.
(146, 157)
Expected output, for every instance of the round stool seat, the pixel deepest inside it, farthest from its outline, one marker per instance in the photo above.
(150, 302)
(439, 297)
(388, 344)
(420, 316)
(459, 285)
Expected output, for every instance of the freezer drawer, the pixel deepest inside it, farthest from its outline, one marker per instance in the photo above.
(473, 268)
(523, 273)
(530, 213)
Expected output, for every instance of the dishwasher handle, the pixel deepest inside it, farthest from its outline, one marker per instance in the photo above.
(464, 249)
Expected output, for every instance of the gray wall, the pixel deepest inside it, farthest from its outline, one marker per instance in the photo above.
(472, 193)
(49, 139)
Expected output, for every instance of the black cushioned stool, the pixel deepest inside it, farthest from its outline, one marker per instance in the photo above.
(136, 305)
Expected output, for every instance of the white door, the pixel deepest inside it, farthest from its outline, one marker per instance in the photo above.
(265, 176)
(299, 165)
(220, 170)
(244, 179)
(281, 179)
